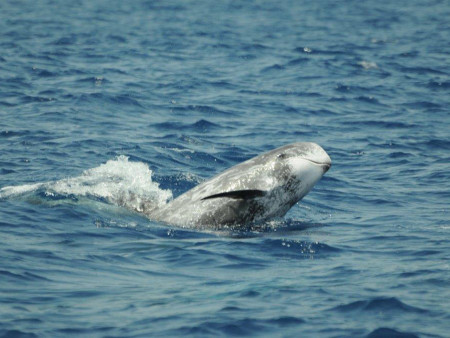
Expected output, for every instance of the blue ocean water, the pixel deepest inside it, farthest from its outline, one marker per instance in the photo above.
(104, 100)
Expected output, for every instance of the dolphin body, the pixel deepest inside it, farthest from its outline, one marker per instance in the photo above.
(262, 188)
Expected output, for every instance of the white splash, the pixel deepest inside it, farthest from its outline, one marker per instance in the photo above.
(119, 181)
(368, 64)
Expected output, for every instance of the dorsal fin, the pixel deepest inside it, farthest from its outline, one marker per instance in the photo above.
(238, 194)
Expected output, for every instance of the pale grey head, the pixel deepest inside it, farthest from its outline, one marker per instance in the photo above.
(262, 188)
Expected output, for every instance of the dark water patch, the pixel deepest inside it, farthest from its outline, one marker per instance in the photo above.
(437, 176)
(235, 327)
(436, 282)
(199, 126)
(192, 331)
(273, 68)
(18, 83)
(89, 143)
(6, 171)
(438, 144)
(44, 73)
(243, 265)
(65, 41)
(13, 133)
(400, 154)
(416, 273)
(385, 305)
(409, 54)
(383, 332)
(7, 104)
(302, 94)
(422, 253)
(420, 70)
(286, 321)
(382, 201)
(117, 38)
(343, 88)
(250, 294)
(83, 294)
(233, 154)
(250, 326)
(16, 334)
(427, 105)
(44, 254)
(50, 92)
(27, 99)
(221, 84)
(438, 85)
(209, 110)
(232, 309)
(86, 331)
(95, 80)
(26, 276)
(255, 47)
(204, 125)
(381, 124)
(178, 182)
(22, 321)
(122, 99)
(402, 237)
(298, 61)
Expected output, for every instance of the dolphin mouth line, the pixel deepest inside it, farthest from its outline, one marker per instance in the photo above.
(319, 163)
(325, 165)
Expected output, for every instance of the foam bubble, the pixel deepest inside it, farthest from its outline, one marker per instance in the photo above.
(118, 181)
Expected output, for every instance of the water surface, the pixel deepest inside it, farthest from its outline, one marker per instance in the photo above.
(104, 100)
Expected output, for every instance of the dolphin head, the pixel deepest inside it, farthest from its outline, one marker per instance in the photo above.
(306, 160)
(298, 167)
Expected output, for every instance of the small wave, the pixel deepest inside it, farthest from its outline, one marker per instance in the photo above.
(419, 70)
(199, 126)
(120, 182)
(209, 110)
(123, 99)
(399, 154)
(273, 68)
(379, 304)
(17, 277)
(298, 61)
(383, 332)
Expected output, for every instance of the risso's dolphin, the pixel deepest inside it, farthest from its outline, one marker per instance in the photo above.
(259, 189)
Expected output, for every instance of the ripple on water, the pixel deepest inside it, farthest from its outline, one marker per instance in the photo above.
(384, 332)
(380, 304)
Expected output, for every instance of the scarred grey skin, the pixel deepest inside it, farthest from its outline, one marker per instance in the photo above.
(259, 189)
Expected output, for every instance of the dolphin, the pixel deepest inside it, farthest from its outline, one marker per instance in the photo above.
(257, 190)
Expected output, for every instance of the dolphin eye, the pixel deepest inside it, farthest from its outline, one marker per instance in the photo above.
(282, 156)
